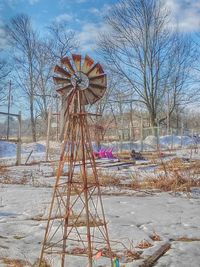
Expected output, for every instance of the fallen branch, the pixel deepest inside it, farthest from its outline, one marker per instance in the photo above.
(149, 262)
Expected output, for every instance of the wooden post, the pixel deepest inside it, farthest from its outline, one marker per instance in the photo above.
(181, 134)
(19, 142)
(48, 134)
(158, 137)
(131, 121)
(141, 133)
(9, 102)
(172, 139)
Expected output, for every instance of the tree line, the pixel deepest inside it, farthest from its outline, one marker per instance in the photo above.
(150, 65)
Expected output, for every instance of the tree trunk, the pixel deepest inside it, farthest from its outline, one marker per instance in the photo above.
(153, 122)
(33, 128)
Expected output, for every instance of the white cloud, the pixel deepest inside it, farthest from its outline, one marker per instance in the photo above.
(185, 13)
(32, 2)
(89, 35)
(64, 17)
(102, 11)
(95, 11)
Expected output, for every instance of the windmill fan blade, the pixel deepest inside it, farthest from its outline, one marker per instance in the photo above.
(68, 99)
(65, 89)
(77, 61)
(95, 70)
(97, 92)
(88, 62)
(84, 100)
(98, 86)
(61, 71)
(91, 96)
(66, 62)
(100, 79)
(59, 80)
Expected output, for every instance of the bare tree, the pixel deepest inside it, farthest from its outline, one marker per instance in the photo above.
(63, 41)
(139, 48)
(4, 72)
(177, 91)
(23, 40)
(44, 87)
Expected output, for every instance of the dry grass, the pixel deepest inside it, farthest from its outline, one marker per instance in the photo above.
(163, 183)
(104, 179)
(108, 179)
(178, 164)
(15, 262)
(6, 179)
(155, 237)
(43, 264)
(3, 170)
(144, 244)
(170, 176)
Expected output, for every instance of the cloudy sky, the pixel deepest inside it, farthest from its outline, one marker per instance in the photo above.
(86, 16)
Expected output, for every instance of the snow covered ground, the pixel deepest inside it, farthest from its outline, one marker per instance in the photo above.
(134, 216)
(131, 219)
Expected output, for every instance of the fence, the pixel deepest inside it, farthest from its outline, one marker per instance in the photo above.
(10, 134)
(152, 138)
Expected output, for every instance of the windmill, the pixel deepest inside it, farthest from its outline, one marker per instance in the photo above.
(76, 222)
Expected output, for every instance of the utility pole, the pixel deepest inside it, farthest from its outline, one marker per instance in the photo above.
(9, 103)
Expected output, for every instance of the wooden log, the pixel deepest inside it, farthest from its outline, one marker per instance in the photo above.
(150, 261)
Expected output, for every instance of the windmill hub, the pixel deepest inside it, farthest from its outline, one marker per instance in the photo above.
(80, 79)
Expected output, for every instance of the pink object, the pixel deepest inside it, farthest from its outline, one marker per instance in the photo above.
(109, 153)
(102, 153)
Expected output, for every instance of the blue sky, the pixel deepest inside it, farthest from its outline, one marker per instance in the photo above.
(83, 16)
(86, 16)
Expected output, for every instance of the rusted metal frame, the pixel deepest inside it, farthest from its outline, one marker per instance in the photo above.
(97, 242)
(60, 168)
(73, 142)
(91, 158)
(94, 170)
(61, 198)
(54, 233)
(84, 176)
(95, 176)
(70, 177)
(75, 222)
(53, 244)
(81, 240)
(104, 222)
(99, 193)
(79, 195)
(59, 172)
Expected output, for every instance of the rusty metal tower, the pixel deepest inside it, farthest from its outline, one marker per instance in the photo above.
(76, 223)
